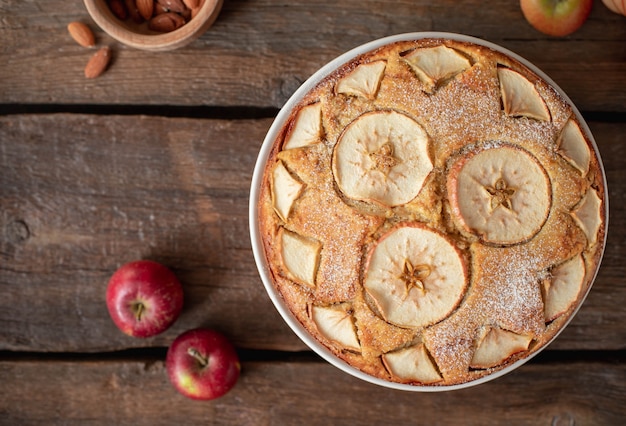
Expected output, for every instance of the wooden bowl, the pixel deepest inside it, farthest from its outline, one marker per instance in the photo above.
(141, 37)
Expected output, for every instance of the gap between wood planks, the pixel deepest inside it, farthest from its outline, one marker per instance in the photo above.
(209, 112)
(205, 111)
(152, 354)
(546, 357)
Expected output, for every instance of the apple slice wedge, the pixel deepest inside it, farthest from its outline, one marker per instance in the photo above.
(573, 147)
(285, 190)
(383, 157)
(520, 97)
(495, 345)
(415, 276)
(306, 129)
(588, 215)
(363, 81)
(436, 64)
(412, 364)
(335, 323)
(561, 290)
(300, 255)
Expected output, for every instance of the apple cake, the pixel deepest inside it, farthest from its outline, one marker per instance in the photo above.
(432, 211)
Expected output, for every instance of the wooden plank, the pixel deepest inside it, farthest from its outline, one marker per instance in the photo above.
(82, 194)
(259, 52)
(311, 393)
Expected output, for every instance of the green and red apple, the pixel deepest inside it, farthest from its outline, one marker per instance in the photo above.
(202, 364)
(556, 17)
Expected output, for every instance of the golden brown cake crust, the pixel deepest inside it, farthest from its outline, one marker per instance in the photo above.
(463, 115)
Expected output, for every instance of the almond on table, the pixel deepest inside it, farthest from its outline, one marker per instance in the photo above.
(82, 34)
(98, 62)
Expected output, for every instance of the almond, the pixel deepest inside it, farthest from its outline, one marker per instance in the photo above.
(133, 11)
(173, 5)
(166, 22)
(159, 9)
(146, 8)
(118, 9)
(98, 62)
(82, 34)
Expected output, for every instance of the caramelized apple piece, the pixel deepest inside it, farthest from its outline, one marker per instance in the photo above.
(415, 276)
(300, 255)
(588, 215)
(520, 97)
(500, 193)
(306, 129)
(573, 146)
(363, 81)
(412, 364)
(436, 64)
(285, 190)
(383, 157)
(336, 324)
(496, 346)
(561, 290)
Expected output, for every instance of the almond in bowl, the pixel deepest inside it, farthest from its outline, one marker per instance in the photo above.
(428, 211)
(154, 25)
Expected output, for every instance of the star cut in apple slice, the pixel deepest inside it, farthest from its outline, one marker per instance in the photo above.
(300, 255)
(561, 290)
(285, 190)
(415, 276)
(496, 345)
(306, 128)
(336, 323)
(363, 81)
(412, 364)
(500, 193)
(588, 215)
(573, 147)
(382, 156)
(434, 65)
(520, 97)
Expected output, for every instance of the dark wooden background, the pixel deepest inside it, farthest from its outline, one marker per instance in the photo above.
(154, 159)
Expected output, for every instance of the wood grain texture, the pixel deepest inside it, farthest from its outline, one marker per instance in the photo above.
(258, 52)
(82, 194)
(304, 393)
(83, 190)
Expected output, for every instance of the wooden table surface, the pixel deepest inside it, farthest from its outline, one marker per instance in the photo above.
(154, 160)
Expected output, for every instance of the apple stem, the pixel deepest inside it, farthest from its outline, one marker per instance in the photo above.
(198, 356)
(138, 308)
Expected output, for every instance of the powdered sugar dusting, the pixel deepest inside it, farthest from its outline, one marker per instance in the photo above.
(463, 113)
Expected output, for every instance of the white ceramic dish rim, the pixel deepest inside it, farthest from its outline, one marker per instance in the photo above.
(257, 246)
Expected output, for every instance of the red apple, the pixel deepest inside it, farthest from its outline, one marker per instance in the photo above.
(144, 298)
(556, 17)
(202, 364)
